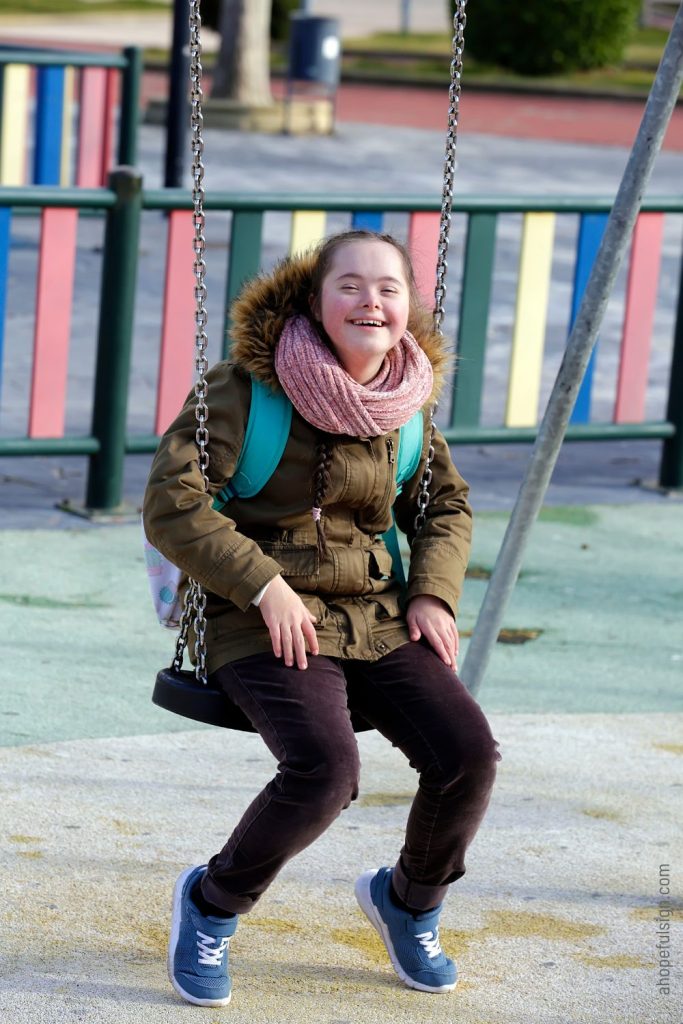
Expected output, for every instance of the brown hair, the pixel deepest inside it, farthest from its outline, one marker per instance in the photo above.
(321, 481)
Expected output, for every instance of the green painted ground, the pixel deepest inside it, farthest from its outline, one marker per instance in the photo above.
(604, 586)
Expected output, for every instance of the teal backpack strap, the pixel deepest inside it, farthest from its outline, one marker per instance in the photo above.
(407, 461)
(410, 438)
(390, 539)
(268, 426)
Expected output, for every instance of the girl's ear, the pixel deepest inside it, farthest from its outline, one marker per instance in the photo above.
(314, 306)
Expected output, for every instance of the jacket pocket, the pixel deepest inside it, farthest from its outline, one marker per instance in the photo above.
(388, 605)
(300, 563)
(380, 565)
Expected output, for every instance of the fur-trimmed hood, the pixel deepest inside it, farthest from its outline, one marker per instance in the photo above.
(266, 303)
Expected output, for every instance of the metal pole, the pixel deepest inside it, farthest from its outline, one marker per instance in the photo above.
(177, 111)
(671, 468)
(405, 17)
(615, 240)
(130, 107)
(114, 340)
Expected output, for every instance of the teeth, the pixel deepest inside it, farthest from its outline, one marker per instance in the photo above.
(368, 323)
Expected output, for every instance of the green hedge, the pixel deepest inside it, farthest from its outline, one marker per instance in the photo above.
(545, 37)
(279, 20)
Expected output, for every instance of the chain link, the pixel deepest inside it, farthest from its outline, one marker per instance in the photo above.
(459, 21)
(185, 623)
(195, 598)
(423, 493)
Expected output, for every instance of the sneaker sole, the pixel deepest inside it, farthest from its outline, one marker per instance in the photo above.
(173, 942)
(362, 891)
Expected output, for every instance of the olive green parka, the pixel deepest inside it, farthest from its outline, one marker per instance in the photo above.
(235, 552)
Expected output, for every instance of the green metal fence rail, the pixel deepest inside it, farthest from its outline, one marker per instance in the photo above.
(123, 203)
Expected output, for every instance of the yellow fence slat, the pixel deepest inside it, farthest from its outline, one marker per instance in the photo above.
(308, 228)
(533, 287)
(13, 146)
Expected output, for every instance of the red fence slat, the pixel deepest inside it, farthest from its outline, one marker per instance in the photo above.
(109, 111)
(641, 299)
(54, 297)
(423, 239)
(91, 127)
(177, 332)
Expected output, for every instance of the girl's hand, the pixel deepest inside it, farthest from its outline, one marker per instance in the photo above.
(432, 618)
(289, 623)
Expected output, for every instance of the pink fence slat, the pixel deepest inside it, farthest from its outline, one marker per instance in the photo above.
(641, 298)
(91, 127)
(423, 240)
(109, 111)
(176, 364)
(54, 297)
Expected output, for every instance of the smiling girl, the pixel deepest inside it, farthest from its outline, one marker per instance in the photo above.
(307, 620)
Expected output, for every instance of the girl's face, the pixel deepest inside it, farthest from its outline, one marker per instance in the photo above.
(364, 305)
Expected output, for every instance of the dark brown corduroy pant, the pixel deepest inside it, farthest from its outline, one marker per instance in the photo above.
(409, 696)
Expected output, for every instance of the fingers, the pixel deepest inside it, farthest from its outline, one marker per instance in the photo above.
(443, 645)
(443, 638)
(290, 640)
(290, 624)
(311, 635)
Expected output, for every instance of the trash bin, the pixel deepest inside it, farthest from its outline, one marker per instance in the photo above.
(314, 50)
(314, 62)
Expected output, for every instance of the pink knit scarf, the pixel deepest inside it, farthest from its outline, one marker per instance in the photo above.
(329, 398)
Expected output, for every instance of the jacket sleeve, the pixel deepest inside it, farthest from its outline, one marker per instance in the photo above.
(177, 514)
(440, 552)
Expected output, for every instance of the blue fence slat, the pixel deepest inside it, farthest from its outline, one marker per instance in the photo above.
(591, 230)
(5, 219)
(48, 122)
(367, 220)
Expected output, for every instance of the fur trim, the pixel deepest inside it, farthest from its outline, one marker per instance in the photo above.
(266, 302)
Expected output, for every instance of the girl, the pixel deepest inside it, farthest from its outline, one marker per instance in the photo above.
(305, 618)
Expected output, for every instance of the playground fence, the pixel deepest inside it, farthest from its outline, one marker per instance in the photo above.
(518, 270)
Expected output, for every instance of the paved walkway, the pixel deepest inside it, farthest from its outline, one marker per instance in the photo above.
(520, 116)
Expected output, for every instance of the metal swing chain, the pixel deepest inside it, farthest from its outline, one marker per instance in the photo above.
(459, 22)
(195, 597)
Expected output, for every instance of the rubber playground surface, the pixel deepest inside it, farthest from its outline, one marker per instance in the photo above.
(105, 798)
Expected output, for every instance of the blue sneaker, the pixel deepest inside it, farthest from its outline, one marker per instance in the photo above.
(412, 942)
(198, 949)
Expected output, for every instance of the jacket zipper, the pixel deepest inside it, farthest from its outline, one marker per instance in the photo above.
(391, 459)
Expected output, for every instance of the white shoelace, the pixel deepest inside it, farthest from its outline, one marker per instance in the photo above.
(430, 943)
(208, 955)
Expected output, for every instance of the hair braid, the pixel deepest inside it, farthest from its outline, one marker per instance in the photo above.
(321, 481)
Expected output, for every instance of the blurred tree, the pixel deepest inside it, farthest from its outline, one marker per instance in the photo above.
(242, 72)
(279, 22)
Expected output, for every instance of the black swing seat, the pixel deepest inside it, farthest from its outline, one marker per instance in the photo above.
(179, 691)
